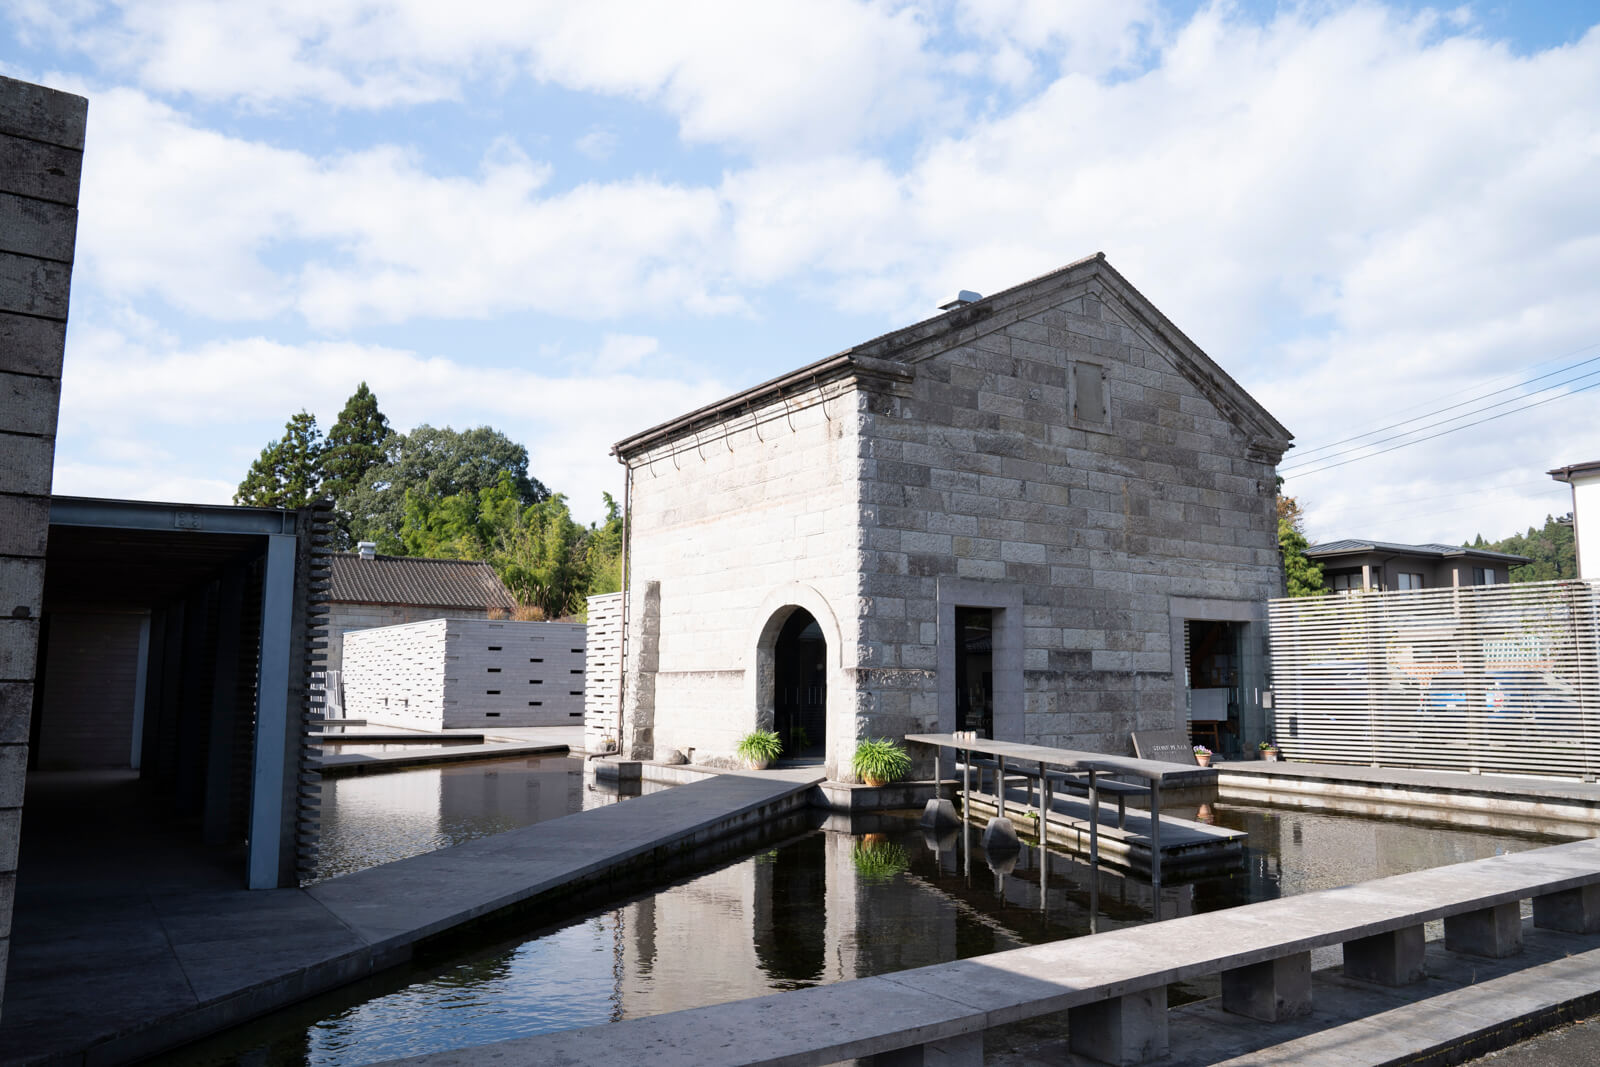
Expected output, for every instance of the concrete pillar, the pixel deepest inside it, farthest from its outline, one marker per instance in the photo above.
(643, 626)
(965, 1050)
(939, 814)
(1270, 990)
(1392, 959)
(1123, 1030)
(1573, 911)
(1495, 932)
(217, 816)
(41, 142)
(268, 834)
(1001, 836)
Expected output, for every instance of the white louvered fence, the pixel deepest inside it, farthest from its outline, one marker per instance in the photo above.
(1491, 679)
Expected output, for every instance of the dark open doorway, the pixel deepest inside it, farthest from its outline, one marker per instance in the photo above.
(975, 670)
(800, 696)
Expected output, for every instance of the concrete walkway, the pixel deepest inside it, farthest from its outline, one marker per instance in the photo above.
(127, 940)
(1563, 807)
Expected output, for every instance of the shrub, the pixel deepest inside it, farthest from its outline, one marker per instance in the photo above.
(881, 760)
(760, 746)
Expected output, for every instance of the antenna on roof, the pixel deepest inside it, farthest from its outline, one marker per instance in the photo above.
(963, 298)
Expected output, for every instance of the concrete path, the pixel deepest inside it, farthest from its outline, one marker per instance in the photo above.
(127, 940)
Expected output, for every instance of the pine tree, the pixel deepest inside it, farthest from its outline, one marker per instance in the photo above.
(286, 474)
(355, 444)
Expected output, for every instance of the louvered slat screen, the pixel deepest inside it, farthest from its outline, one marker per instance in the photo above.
(1491, 679)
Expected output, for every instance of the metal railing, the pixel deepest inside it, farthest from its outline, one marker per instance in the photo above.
(1488, 679)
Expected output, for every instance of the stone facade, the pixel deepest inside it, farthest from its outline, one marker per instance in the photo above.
(41, 159)
(1059, 454)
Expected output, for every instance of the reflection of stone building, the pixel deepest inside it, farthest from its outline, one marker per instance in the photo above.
(1056, 465)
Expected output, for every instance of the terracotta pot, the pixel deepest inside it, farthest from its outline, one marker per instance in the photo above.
(1204, 761)
(1269, 754)
(876, 783)
(759, 764)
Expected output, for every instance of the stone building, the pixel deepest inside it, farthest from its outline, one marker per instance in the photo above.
(1040, 514)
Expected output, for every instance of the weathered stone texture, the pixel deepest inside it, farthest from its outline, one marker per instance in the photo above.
(969, 469)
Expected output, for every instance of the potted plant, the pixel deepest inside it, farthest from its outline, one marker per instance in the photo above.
(759, 748)
(1268, 750)
(879, 761)
(1202, 755)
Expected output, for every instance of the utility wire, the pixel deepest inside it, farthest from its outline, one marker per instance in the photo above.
(1454, 418)
(1382, 504)
(1464, 403)
(1453, 429)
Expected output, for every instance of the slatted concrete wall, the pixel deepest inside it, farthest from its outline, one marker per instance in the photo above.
(456, 673)
(604, 666)
(1490, 679)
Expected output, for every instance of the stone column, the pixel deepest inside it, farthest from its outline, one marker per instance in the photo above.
(41, 159)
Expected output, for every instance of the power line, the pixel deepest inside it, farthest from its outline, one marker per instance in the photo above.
(1464, 403)
(1379, 505)
(1453, 418)
(1453, 429)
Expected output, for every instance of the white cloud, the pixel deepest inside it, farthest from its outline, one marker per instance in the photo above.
(119, 396)
(200, 219)
(598, 144)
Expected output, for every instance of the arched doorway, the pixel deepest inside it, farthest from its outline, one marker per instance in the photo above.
(800, 686)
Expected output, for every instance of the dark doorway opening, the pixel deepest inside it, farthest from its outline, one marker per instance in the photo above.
(800, 687)
(1211, 657)
(975, 670)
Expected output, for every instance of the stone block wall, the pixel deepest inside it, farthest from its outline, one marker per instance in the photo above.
(346, 617)
(762, 514)
(979, 476)
(602, 699)
(41, 160)
(466, 673)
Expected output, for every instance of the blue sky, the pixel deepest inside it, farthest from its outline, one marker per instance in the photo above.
(574, 221)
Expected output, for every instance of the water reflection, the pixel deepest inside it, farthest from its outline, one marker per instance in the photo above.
(825, 907)
(379, 818)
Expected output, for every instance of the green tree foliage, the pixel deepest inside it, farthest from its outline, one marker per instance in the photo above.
(434, 464)
(287, 474)
(602, 551)
(1553, 551)
(355, 443)
(1303, 576)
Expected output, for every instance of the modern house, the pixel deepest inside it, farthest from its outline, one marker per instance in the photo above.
(370, 590)
(1014, 517)
(1381, 566)
(1585, 481)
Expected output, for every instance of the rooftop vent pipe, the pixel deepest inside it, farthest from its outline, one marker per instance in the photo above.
(963, 298)
(368, 549)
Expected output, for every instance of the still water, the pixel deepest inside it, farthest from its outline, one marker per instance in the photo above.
(369, 819)
(819, 907)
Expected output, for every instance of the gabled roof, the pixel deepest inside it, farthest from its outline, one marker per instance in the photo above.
(891, 356)
(429, 583)
(1436, 551)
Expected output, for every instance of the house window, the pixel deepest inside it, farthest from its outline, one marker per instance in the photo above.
(1089, 403)
(1483, 576)
(1408, 580)
(1346, 583)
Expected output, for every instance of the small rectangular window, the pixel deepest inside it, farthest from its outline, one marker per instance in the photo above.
(535, 703)
(579, 651)
(574, 714)
(491, 714)
(494, 670)
(492, 692)
(494, 648)
(1089, 393)
(535, 659)
(535, 681)
(576, 693)
(575, 672)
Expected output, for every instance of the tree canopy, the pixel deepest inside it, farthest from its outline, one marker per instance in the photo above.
(1302, 575)
(1552, 549)
(445, 494)
(288, 473)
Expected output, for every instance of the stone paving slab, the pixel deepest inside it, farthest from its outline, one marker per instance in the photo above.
(335, 762)
(113, 964)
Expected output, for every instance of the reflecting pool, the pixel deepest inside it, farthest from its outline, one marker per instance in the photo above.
(820, 906)
(368, 819)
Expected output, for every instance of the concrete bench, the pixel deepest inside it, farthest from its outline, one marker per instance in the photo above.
(1113, 985)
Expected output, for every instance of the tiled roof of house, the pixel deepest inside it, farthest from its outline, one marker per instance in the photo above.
(1347, 547)
(433, 583)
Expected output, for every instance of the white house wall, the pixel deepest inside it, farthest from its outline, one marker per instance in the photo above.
(465, 673)
(734, 530)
